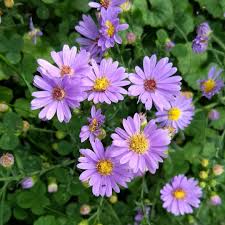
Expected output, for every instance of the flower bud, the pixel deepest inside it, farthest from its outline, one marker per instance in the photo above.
(218, 169)
(213, 183)
(113, 199)
(187, 94)
(7, 160)
(4, 107)
(203, 175)
(85, 184)
(26, 126)
(204, 29)
(76, 111)
(131, 37)
(171, 131)
(55, 146)
(191, 219)
(9, 3)
(143, 119)
(126, 6)
(28, 182)
(85, 209)
(102, 134)
(169, 44)
(60, 134)
(205, 162)
(213, 115)
(83, 222)
(215, 199)
(202, 184)
(52, 187)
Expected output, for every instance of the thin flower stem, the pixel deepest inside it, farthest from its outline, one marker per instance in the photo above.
(218, 41)
(42, 130)
(114, 213)
(216, 51)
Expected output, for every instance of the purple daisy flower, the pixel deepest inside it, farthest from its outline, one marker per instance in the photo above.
(105, 83)
(178, 115)
(57, 96)
(34, 33)
(155, 84)
(204, 30)
(212, 85)
(90, 32)
(69, 63)
(140, 149)
(102, 171)
(92, 130)
(181, 195)
(106, 4)
(110, 26)
(200, 44)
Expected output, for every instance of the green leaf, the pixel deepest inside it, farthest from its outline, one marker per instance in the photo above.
(19, 213)
(5, 211)
(64, 148)
(9, 141)
(220, 123)
(12, 122)
(43, 12)
(48, 1)
(209, 150)
(46, 220)
(13, 57)
(22, 107)
(6, 94)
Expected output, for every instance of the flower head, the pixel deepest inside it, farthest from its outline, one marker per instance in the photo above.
(7, 160)
(141, 149)
(102, 171)
(215, 200)
(155, 84)
(34, 32)
(69, 63)
(90, 32)
(218, 169)
(200, 44)
(131, 37)
(56, 96)
(28, 182)
(105, 83)
(85, 209)
(213, 114)
(212, 85)
(93, 129)
(178, 115)
(106, 4)
(181, 195)
(204, 30)
(169, 45)
(110, 26)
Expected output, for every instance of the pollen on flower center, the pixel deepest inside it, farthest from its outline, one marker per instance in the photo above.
(93, 125)
(139, 143)
(66, 70)
(209, 85)
(174, 114)
(110, 28)
(105, 3)
(150, 85)
(179, 194)
(104, 167)
(101, 84)
(58, 93)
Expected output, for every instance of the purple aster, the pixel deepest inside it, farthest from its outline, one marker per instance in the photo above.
(69, 63)
(199, 44)
(215, 200)
(204, 30)
(155, 84)
(34, 33)
(110, 26)
(212, 85)
(181, 195)
(56, 96)
(90, 32)
(106, 4)
(213, 114)
(178, 115)
(140, 148)
(93, 129)
(102, 171)
(105, 83)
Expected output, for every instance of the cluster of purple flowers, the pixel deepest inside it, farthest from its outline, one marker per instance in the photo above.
(98, 37)
(200, 43)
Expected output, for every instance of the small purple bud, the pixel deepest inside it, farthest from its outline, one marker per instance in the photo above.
(27, 182)
(131, 37)
(169, 45)
(52, 187)
(214, 114)
(204, 30)
(215, 200)
(199, 44)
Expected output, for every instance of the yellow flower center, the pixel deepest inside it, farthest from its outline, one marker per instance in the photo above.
(101, 84)
(110, 28)
(104, 167)
(174, 114)
(93, 125)
(58, 93)
(209, 85)
(179, 194)
(105, 3)
(139, 143)
(66, 70)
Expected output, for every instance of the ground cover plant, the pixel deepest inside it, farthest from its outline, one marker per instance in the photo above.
(112, 112)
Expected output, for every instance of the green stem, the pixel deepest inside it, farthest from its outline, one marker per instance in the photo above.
(42, 130)
(218, 41)
(114, 213)
(216, 51)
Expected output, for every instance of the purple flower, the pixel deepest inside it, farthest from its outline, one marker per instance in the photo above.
(155, 84)
(204, 30)
(215, 200)
(181, 195)
(213, 114)
(34, 32)
(212, 85)
(178, 115)
(90, 32)
(140, 149)
(93, 129)
(27, 182)
(57, 96)
(69, 63)
(102, 171)
(105, 83)
(106, 4)
(169, 45)
(110, 26)
(199, 44)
